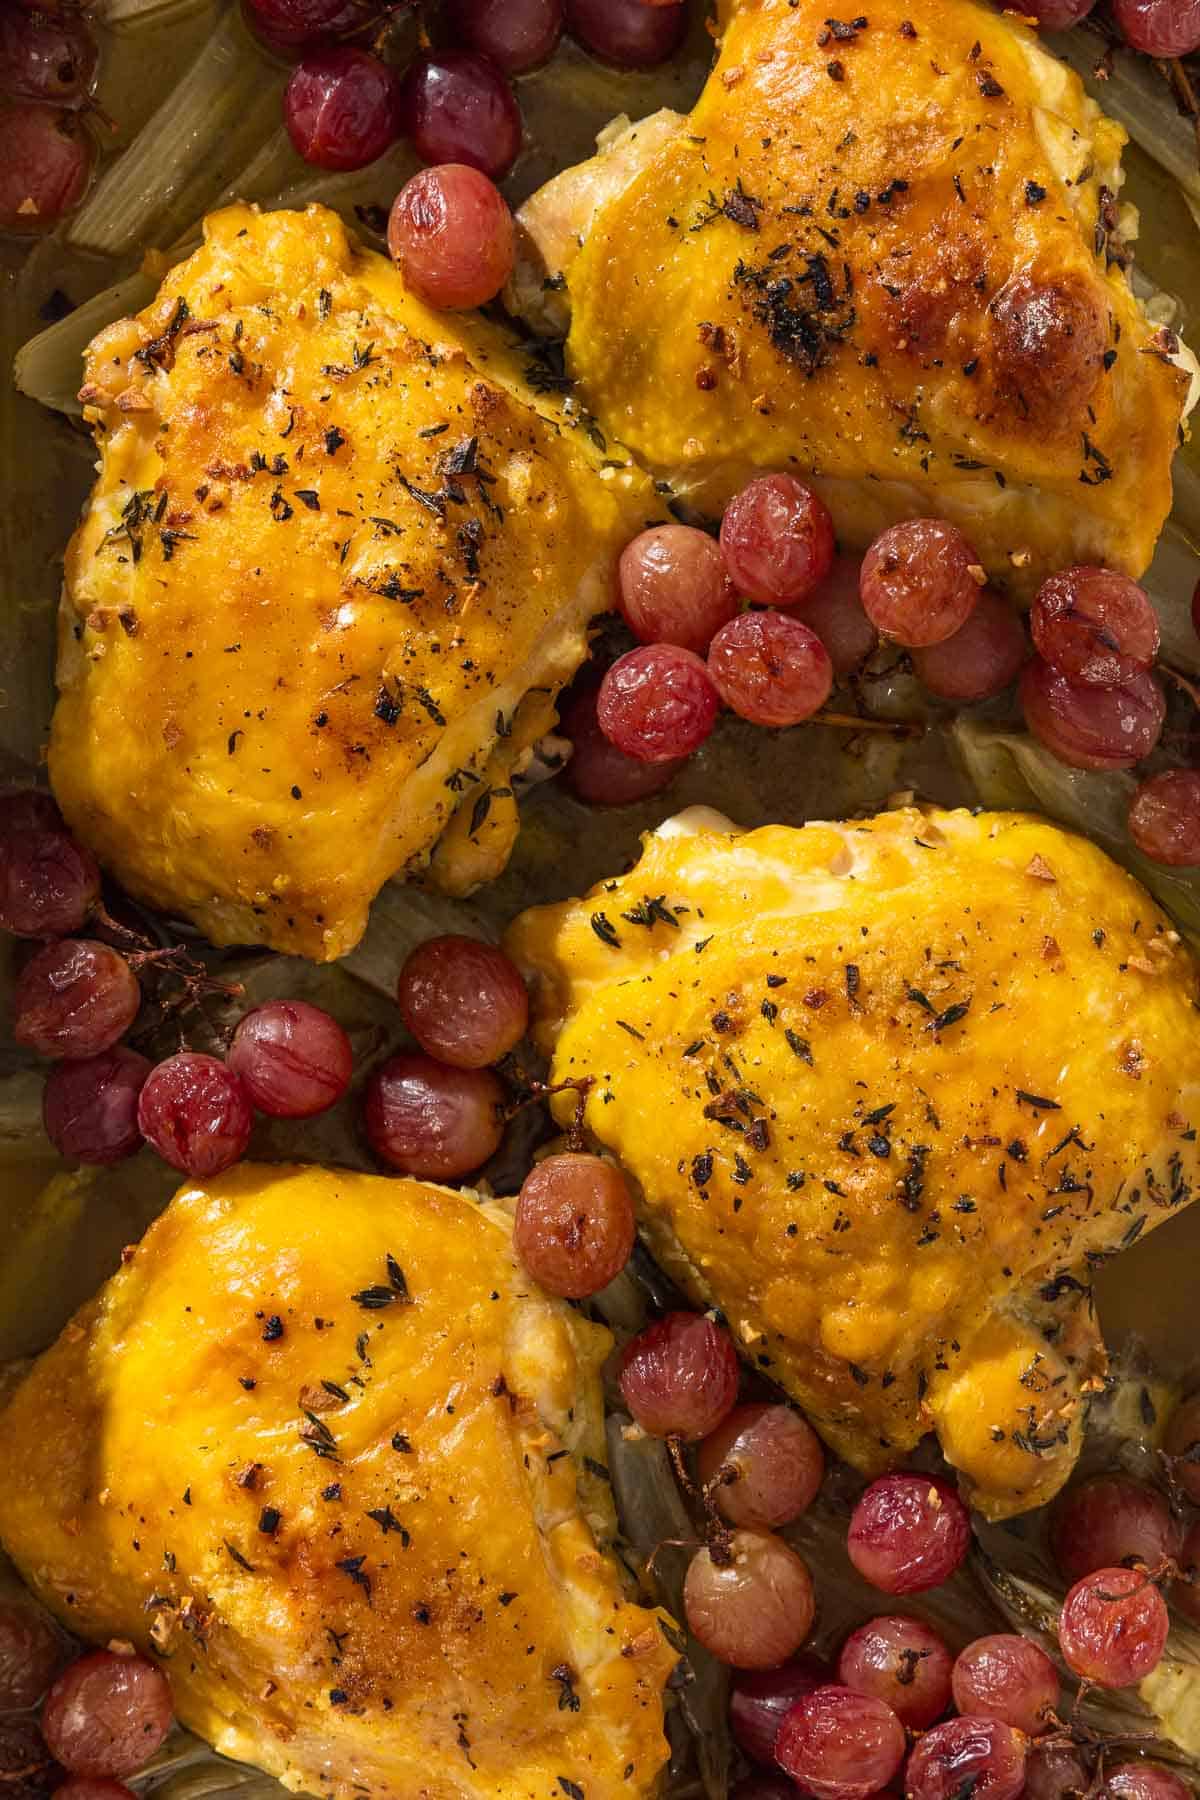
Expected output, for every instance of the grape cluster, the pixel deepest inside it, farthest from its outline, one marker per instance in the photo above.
(47, 71)
(1159, 28)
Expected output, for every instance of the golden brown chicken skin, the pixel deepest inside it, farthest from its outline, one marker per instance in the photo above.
(889, 1091)
(320, 1446)
(337, 551)
(885, 249)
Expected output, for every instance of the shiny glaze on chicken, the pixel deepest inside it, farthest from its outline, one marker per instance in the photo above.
(881, 253)
(322, 1447)
(890, 1090)
(340, 554)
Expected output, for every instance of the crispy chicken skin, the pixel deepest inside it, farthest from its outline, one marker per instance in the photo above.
(883, 250)
(319, 1444)
(888, 1090)
(335, 542)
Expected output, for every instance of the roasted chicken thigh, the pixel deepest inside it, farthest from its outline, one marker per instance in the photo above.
(322, 1447)
(889, 1090)
(882, 253)
(339, 558)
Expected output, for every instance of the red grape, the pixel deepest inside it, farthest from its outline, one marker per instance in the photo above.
(1113, 1627)
(1090, 727)
(48, 883)
(46, 159)
(673, 588)
(1053, 1771)
(293, 1058)
(340, 108)
(600, 774)
(107, 1714)
(27, 1771)
(30, 1653)
(458, 108)
(679, 1377)
(90, 1108)
(1164, 818)
(770, 668)
(981, 1757)
(574, 1225)
(1094, 625)
(776, 1460)
(291, 26)
(429, 1120)
(919, 582)
(750, 1602)
(463, 1000)
(92, 1787)
(1185, 1593)
(835, 612)
(451, 233)
(196, 1113)
(74, 998)
(840, 1744)
(1107, 1520)
(45, 58)
(627, 32)
(1006, 1677)
(516, 34)
(1162, 28)
(1145, 1781)
(908, 1533)
(1181, 1442)
(777, 540)
(657, 703)
(1053, 15)
(760, 1698)
(902, 1662)
(981, 658)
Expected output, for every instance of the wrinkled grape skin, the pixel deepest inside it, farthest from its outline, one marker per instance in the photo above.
(629, 33)
(1054, 15)
(294, 1059)
(598, 773)
(46, 159)
(48, 883)
(340, 108)
(759, 1699)
(777, 1458)
(908, 1533)
(985, 1753)
(107, 1714)
(1007, 1677)
(1089, 727)
(839, 1744)
(291, 26)
(31, 1651)
(1164, 818)
(658, 703)
(463, 1000)
(679, 1377)
(901, 1661)
(45, 58)
(74, 998)
(835, 612)
(777, 541)
(517, 35)
(917, 584)
(1053, 1771)
(195, 1112)
(456, 107)
(90, 1106)
(770, 668)
(574, 1226)
(1144, 1781)
(1094, 625)
(1112, 1627)
(1161, 28)
(673, 589)
(451, 233)
(1181, 1441)
(981, 659)
(426, 1119)
(754, 1606)
(1110, 1519)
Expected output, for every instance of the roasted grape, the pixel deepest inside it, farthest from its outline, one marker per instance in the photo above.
(90, 1107)
(777, 540)
(1054, 1772)
(835, 612)
(629, 33)
(46, 160)
(48, 883)
(294, 1059)
(340, 108)
(908, 1533)
(74, 998)
(1161, 28)
(197, 1114)
(290, 27)
(600, 774)
(1164, 818)
(657, 703)
(1113, 1627)
(679, 1377)
(1092, 727)
(763, 1465)
(426, 1119)
(1094, 625)
(107, 1714)
(770, 668)
(984, 1757)
(980, 659)
(456, 107)
(920, 581)
(749, 1601)
(45, 56)
(760, 1699)
(1110, 1519)
(840, 1744)
(31, 1651)
(1144, 1781)
(1007, 1677)
(463, 1000)
(516, 34)
(451, 233)
(901, 1661)
(673, 588)
(574, 1225)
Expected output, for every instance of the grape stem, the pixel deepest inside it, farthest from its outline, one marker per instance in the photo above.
(541, 1090)
(1181, 681)
(1178, 80)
